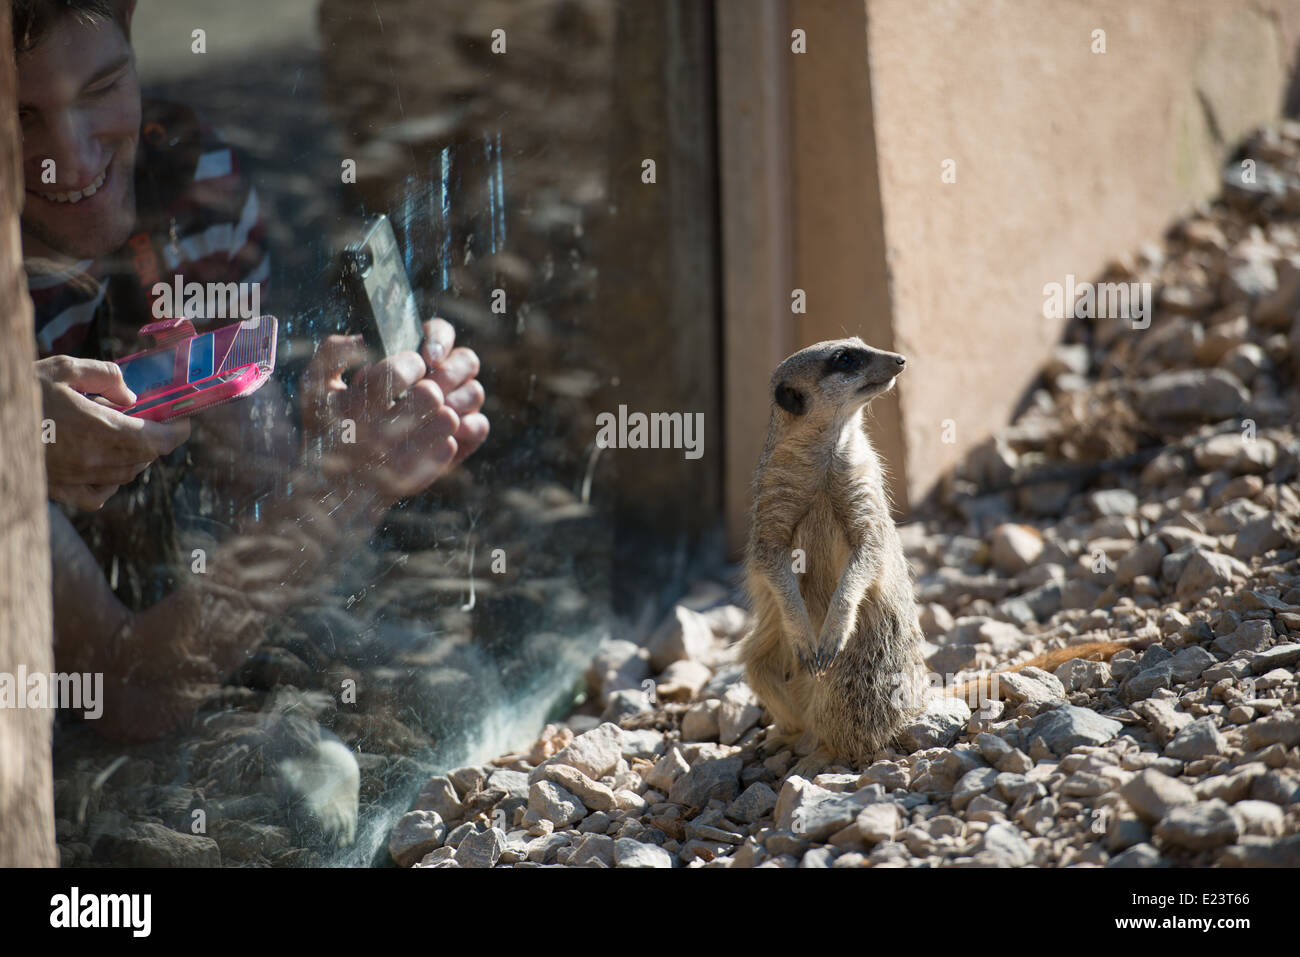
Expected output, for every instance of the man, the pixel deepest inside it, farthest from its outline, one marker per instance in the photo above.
(114, 194)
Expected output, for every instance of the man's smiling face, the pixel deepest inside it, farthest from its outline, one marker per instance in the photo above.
(79, 105)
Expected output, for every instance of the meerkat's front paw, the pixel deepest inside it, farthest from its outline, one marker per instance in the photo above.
(817, 662)
(818, 658)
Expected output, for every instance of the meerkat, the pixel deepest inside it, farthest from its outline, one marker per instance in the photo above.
(831, 591)
(836, 644)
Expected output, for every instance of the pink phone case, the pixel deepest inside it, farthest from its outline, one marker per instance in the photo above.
(243, 358)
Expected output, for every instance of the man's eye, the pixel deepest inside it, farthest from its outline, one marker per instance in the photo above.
(107, 86)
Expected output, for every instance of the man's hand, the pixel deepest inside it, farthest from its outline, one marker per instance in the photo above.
(455, 371)
(403, 421)
(95, 448)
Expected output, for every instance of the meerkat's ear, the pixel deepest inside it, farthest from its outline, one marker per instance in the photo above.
(791, 399)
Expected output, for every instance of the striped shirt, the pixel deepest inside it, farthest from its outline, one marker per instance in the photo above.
(197, 217)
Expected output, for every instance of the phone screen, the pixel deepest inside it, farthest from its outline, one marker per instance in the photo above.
(201, 357)
(150, 372)
(153, 371)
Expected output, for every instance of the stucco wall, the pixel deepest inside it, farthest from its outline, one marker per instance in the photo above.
(1064, 158)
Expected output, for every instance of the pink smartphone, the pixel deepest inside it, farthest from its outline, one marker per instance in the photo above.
(188, 373)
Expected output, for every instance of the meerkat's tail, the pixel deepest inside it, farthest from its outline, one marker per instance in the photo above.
(985, 687)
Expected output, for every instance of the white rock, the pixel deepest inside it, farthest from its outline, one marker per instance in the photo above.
(878, 822)
(1235, 454)
(666, 770)
(1006, 842)
(684, 636)
(1031, 684)
(738, 712)
(1260, 817)
(630, 853)
(1153, 796)
(1199, 739)
(595, 753)
(416, 834)
(550, 802)
(682, 680)
(700, 723)
(1199, 826)
(942, 720)
(1014, 548)
(972, 783)
(1205, 569)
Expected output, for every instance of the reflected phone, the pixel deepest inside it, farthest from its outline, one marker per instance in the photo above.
(188, 373)
(378, 291)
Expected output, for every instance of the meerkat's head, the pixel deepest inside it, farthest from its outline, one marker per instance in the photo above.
(833, 378)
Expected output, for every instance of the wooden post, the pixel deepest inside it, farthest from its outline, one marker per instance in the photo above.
(658, 285)
(753, 49)
(26, 775)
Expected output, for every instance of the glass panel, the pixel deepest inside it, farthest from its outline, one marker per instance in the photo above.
(266, 624)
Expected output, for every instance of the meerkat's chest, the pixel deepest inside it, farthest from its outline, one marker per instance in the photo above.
(822, 540)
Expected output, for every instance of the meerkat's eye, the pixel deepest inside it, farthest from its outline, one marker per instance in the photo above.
(844, 360)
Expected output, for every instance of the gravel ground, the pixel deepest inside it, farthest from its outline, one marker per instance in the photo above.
(1147, 493)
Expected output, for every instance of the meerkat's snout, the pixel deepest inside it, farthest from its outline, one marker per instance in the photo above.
(882, 370)
(879, 370)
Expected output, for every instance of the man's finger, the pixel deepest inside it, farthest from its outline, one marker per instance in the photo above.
(457, 369)
(468, 399)
(424, 399)
(91, 376)
(384, 381)
(471, 434)
(439, 338)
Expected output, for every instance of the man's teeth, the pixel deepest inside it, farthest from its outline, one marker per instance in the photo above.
(79, 195)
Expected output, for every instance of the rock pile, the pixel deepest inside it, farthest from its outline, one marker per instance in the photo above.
(1148, 493)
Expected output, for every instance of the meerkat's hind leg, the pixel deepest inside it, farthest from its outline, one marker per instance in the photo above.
(766, 674)
(811, 765)
(779, 740)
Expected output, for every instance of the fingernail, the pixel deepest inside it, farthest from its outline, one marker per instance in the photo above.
(437, 351)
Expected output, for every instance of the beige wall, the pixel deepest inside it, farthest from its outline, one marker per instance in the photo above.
(1064, 159)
